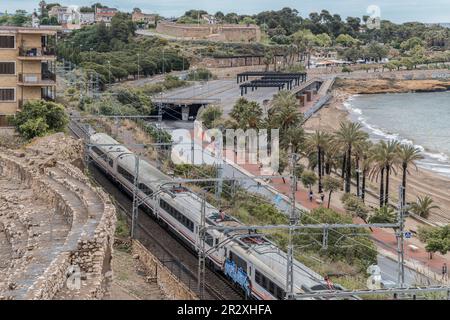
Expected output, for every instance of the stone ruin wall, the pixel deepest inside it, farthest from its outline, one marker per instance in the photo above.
(216, 32)
(91, 252)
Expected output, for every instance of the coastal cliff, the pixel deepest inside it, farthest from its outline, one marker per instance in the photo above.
(372, 86)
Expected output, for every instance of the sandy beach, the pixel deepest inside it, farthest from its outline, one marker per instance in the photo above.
(421, 182)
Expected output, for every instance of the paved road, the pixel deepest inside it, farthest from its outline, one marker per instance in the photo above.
(389, 272)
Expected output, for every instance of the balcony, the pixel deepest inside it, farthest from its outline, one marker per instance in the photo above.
(46, 78)
(37, 53)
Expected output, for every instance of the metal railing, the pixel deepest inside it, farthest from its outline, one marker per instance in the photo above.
(36, 51)
(46, 77)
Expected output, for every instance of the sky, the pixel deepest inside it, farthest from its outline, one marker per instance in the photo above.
(429, 11)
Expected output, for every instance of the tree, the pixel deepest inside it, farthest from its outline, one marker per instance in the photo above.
(384, 214)
(248, 114)
(377, 51)
(407, 154)
(437, 239)
(348, 135)
(385, 155)
(423, 206)
(316, 142)
(304, 40)
(331, 185)
(346, 40)
(308, 178)
(323, 40)
(355, 206)
(411, 43)
(210, 114)
(285, 116)
(282, 163)
(39, 118)
(20, 18)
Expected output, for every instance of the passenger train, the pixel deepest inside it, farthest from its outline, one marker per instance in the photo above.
(249, 260)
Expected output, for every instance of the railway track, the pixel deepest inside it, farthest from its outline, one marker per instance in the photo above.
(180, 259)
(170, 251)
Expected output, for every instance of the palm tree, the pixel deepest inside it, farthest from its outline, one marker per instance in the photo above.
(423, 206)
(384, 214)
(407, 154)
(348, 135)
(366, 164)
(361, 153)
(385, 157)
(285, 116)
(316, 143)
(391, 159)
(331, 184)
(330, 155)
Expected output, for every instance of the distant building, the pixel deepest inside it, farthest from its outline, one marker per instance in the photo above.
(145, 18)
(27, 67)
(65, 15)
(105, 14)
(87, 18)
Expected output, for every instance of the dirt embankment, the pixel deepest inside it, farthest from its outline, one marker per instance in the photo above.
(371, 86)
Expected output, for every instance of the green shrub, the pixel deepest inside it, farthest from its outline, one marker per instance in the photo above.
(39, 118)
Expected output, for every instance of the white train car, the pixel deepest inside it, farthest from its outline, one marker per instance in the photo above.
(250, 261)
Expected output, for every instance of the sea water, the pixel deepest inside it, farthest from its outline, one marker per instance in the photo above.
(422, 119)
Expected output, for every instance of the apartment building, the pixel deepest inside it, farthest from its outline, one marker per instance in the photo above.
(145, 18)
(27, 67)
(105, 15)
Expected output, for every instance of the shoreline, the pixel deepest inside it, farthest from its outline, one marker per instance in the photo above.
(421, 182)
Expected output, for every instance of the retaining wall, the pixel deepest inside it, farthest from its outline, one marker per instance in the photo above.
(169, 284)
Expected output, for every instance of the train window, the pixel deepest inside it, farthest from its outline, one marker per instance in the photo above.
(110, 161)
(145, 189)
(209, 240)
(279, 293)
(271, 287)
(177, 215)
(238, 260)
(216, 241)
(97, 151)
(264, 282)
(125, 174)
(257, 277)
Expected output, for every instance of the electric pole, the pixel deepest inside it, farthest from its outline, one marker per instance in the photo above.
(201, 249)
(400, 239)
(292, 222)
(134, 215)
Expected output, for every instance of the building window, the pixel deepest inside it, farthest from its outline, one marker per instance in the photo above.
(7, 42)
(7, 95)
(7, 68)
